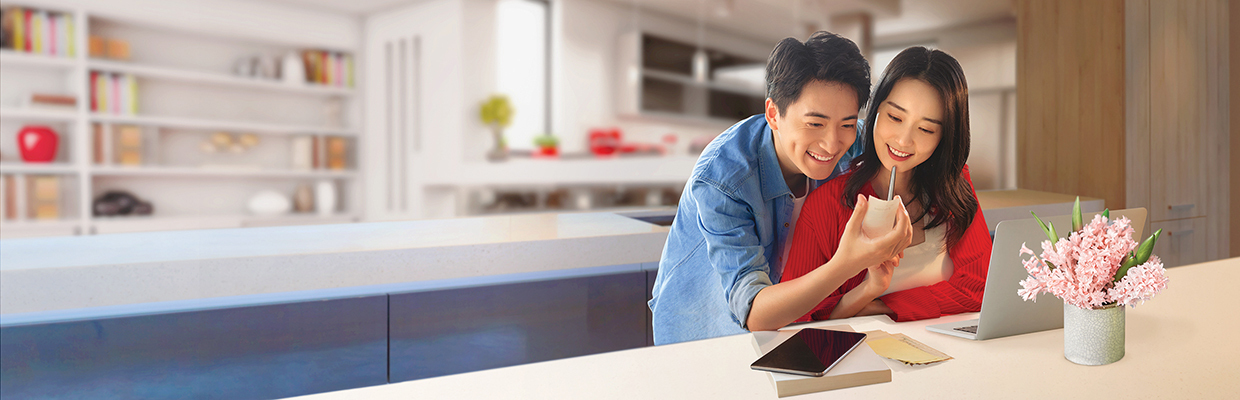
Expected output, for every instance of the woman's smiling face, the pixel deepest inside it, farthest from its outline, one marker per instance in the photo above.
(909, 125)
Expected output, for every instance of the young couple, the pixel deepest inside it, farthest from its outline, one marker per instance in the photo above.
(768, 230)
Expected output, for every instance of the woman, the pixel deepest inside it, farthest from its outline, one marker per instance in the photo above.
(918, 117)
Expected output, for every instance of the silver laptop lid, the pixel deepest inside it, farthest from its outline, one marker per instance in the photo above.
(1004, 313)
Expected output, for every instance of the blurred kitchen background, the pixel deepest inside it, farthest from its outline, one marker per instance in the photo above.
(140, 115)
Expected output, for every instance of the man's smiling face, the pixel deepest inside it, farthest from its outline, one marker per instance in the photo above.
(815, 130)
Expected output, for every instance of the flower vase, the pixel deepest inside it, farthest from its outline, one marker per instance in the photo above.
(1093, 336)
(500, 152)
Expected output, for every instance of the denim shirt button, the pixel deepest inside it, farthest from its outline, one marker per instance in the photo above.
(785, 224)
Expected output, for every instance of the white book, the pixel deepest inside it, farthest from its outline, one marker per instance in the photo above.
(860, 367)
(64, 35)
(303, 153)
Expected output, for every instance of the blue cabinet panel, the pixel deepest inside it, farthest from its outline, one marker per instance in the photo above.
(254, 352)
(452, 331)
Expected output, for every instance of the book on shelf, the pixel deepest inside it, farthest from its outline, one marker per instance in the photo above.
(97, 47)
(303, 152)
(8, 197)
(51, 101)
(38, 31)
(328, 68)
(97, 134)
(44, 196)
(113, 93)
(128, 145)
(860, 367)
(336, 153)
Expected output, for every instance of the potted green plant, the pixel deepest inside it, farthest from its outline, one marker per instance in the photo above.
(496, 111)
(548, 146)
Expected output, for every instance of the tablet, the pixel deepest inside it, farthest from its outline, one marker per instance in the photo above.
(809, 352)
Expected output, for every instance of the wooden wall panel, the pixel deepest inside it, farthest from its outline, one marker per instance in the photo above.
(1137, 55)
(1179, 162)
(1071, 98)
(1233, 47)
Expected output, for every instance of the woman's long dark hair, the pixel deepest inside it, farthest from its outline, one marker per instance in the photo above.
(938, 183)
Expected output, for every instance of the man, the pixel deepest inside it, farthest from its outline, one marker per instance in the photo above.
(720, 270)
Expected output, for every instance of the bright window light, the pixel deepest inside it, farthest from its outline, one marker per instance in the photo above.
(521, 26)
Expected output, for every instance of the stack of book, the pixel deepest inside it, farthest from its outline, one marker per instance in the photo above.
(861, 367)
(328, 68)
(38, 31)
(41, 201)
(306, 153)
(113, 93)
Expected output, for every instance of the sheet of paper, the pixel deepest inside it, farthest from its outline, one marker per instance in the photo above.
(903, 349)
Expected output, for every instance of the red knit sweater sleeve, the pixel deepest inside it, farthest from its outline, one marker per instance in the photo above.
(962, 292)
(816, 238)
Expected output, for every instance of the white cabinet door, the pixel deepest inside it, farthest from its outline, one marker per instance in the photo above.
(413, 70)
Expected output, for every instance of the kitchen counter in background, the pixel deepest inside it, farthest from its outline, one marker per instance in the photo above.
(46, 274)
(62, 273)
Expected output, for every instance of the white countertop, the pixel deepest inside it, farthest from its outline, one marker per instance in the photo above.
(1179, 345)
(58, 273)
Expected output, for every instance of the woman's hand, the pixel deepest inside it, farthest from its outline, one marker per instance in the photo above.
(878, 279)
(858, 251)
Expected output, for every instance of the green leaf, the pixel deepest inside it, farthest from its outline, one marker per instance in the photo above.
(1049, 230)
(1138, 257)
(1077, 219)
(1129, 261)
(1106, 213)
(1147, 247)
(1048, 264)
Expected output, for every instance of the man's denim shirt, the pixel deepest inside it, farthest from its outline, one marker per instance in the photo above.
(729, 230)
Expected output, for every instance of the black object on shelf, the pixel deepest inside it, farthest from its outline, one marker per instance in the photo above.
(116, 202)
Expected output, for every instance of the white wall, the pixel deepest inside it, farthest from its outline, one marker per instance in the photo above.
(585, 41)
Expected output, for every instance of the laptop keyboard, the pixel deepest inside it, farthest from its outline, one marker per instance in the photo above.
(969, 329)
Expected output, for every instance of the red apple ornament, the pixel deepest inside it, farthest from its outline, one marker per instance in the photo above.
(37, 143)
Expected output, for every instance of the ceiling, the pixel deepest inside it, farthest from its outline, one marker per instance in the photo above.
(356, 7)
(769, 19)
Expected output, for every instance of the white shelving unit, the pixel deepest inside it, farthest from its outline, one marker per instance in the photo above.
(212, 78)
(38, 114)
(219, 172)
(10, 57)
(186, 91)
(208, 124)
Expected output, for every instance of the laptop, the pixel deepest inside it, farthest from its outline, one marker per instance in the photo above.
(1004, 313)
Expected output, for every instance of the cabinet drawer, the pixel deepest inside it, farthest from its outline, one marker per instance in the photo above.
(1183, 241)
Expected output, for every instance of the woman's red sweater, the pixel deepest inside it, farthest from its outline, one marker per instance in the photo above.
(817, 237)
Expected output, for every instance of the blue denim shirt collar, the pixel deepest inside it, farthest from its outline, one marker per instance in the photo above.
(773, 184)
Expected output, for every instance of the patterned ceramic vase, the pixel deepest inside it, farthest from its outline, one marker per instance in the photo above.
(1093, 336)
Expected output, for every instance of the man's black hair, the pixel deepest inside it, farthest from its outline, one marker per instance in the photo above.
(825, 57)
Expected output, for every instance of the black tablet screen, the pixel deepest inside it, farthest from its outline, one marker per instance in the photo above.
(809, 352)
